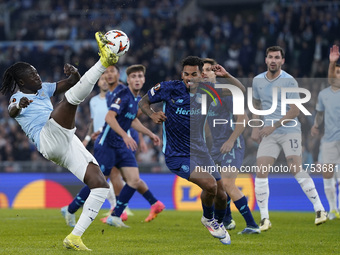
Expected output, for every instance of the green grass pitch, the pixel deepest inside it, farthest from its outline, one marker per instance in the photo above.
(172, 232)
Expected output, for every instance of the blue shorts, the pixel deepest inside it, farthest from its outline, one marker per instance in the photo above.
(184, 166)
(108, 157)
(232, 158)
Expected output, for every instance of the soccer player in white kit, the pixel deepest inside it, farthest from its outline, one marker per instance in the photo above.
(53, 130)
(273, 136)
(327, 112)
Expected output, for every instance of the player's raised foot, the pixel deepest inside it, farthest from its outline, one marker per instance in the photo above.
(213, 227)
(250, 231)
(332, 215)
(227, 239)
(265, 224)
(320, 217)
(116, 222)
(74, 243)
(229, 225)
(69, 217)
(107, 57)
(156, 208)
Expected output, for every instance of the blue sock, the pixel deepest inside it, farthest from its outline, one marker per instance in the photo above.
(219, 215)
(149, 197)
(123, 200)
(208, 211)
(242, 206)
(79, 200)
(227, 218)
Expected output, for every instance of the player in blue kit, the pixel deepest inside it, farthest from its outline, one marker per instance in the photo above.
(156, 205)
(186, 153)
(273, 136)
(228, 150)
(53, 130)
(327, 112)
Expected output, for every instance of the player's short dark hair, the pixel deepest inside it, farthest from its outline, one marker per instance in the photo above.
(275, 48)
(210, 61)
(135, 68)
(193, 61)
(12, 76)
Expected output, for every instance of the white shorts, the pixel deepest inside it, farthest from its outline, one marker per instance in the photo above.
(271, 145)
(63, 147)
(330, 152)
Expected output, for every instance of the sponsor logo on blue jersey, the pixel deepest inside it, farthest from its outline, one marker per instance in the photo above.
(193, 111)
(129, 115)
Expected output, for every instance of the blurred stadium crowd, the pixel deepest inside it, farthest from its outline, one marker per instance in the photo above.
(49, 33)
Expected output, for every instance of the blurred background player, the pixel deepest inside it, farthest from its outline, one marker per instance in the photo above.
(114, 147)
(326, 112)
(53, 130)
(272, 138)
(228, 149)
(184, 148)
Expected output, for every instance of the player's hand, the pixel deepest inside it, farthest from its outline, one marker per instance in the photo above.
(314, 131)
(227, 146)
(158, 117)
(95, 135)
(220, 71)
(334, 54)
(266, 131)
(155, 139)
(24, 102)
(130, 143)
(255, 135)
(72, 72)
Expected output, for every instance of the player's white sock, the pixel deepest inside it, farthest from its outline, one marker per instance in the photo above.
(307, 185)
(90, 210)
(84, 86)
(111, 196)
(262, 196)
(330, 191)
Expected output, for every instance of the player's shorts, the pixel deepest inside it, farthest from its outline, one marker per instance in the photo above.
(108, 157)
(64, 148)
(271, 145)
(184, 166)
(330, 152)
(233, 158)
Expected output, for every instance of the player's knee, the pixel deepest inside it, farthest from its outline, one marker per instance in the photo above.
(211, 188)
(133, 182)
(71, 98)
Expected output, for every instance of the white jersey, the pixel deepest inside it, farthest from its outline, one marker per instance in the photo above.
(263, 91)
(34, 117)
(98, 109)
(329, 103)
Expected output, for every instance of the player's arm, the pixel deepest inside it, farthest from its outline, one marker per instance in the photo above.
(333, 58)
(145, 105)
(14, 109)
(255, 133)
(87, 138)
(111, 120)
(142, 144)
(66, 84)
(221, 72)
(239, 128)
(139, 127)
(291, 114)
(319, 117)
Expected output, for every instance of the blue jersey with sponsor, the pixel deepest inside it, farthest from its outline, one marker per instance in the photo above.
(329, 103)
(36, 114)
(125, 104)
(221, 132)
(183, 130)
(263, 91)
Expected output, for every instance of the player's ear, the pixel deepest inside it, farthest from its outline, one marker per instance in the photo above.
(20, 82)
